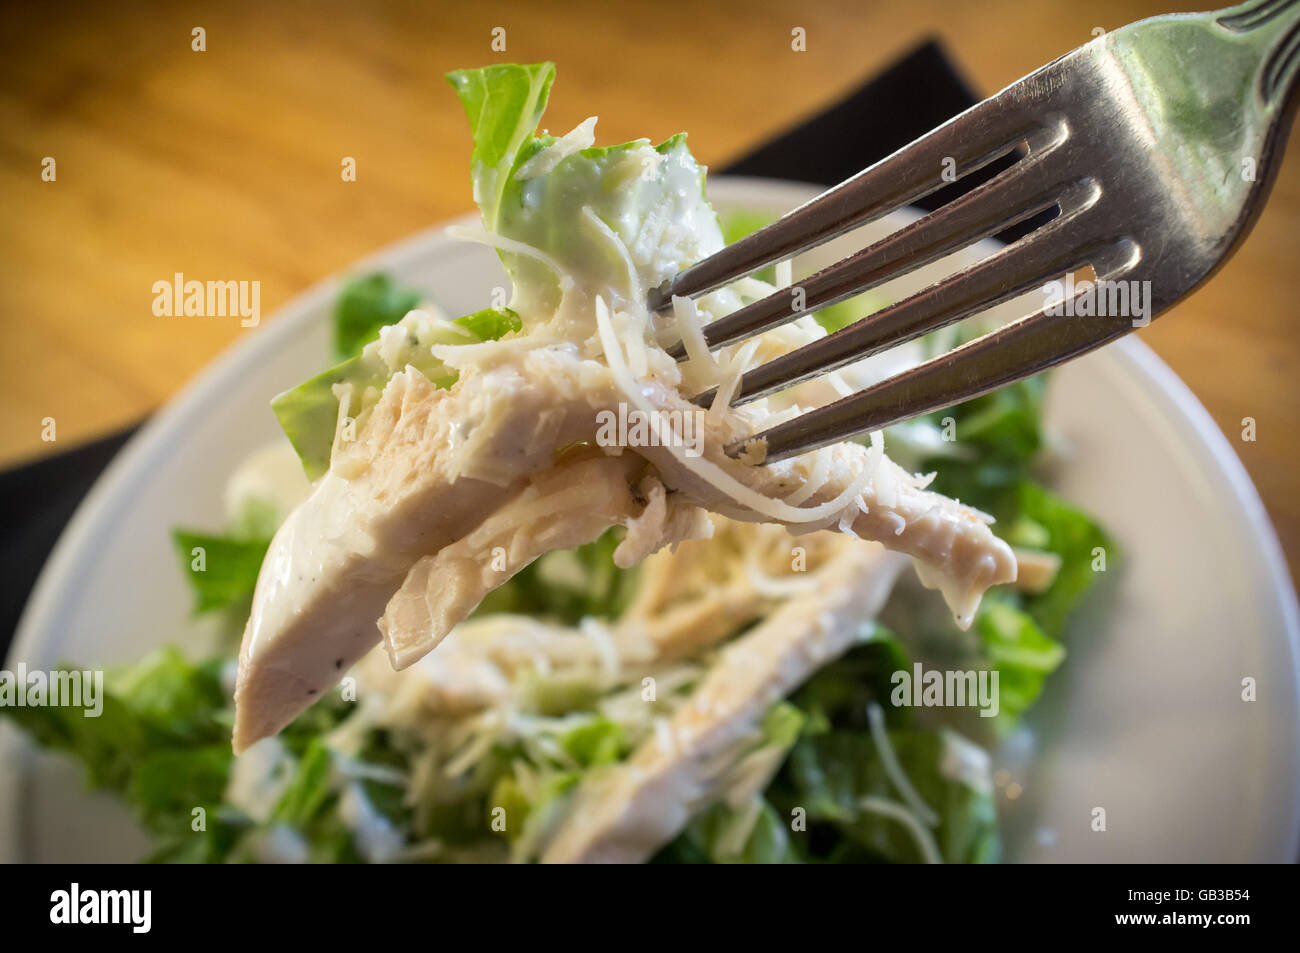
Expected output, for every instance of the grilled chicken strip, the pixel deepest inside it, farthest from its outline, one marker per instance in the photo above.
(431, 466)
(624, 813)
(425, 470)
(561, 508)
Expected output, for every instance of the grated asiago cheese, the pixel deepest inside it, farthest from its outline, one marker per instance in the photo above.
(691, 329)
(815, 479)
(707, 470)
(784, 273)
(841, 387)
(638, 357)
(753, 288)
(343, 392)
(582, 136)
(772, 587)
(600, 637)
(392, 341)
(482, 237)
(490, 727)
(893, 770)
(924, 839)
(736, 368)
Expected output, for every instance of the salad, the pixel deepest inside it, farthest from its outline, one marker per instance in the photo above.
(478, 628)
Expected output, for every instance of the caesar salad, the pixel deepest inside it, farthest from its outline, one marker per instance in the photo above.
(504, 596)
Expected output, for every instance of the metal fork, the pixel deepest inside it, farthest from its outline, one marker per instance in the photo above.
(1157, 143)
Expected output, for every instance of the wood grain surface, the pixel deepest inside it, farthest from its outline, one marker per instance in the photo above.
(226, 164)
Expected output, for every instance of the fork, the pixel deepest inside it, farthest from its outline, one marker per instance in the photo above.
(1152, 148)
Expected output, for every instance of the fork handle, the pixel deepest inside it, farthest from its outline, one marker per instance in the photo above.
(1272, 27)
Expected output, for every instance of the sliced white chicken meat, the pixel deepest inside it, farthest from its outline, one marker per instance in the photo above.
(425, 470)
(626, 812)
(431, 466)
(687, 601)
(562, 508)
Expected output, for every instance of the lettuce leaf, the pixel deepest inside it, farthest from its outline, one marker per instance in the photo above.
(366, 305)
(998, 437)
(834, 763)
(162, 744)
(504, 104)
(1074, 537)
(308, 413)
(162, 739)
(228, 569)
(830, 774)
(599, 741)
(1020, 651)
(651, 198)
(705, 840)
(711, 837)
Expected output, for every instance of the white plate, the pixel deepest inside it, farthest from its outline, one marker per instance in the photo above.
(1144, 720)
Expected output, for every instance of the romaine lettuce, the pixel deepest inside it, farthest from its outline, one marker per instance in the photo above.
(221, 569)
(308, 413)
(588, 207)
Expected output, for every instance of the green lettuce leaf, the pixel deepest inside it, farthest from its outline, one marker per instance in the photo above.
(1021, 652)
(707, 838)
(162, 740)
(162, 744)
(504, 104)
(830, 774)
(366, 305)
(1076, 538)
(839, 693)
(228, 567)
(712, 836)
(651, 198)
(998, 437)
(600, 741)
(308, 413)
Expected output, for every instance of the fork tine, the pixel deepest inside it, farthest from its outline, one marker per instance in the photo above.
(1001, 357)
(1018, 193)
(1041, 256)
(972, 139)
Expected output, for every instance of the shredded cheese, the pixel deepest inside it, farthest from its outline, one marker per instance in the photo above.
(924, 839)
(784, 273)
(707, 470)
(582, 136)
(815, 480)
(482, 237)
(690, 328)
(735, 371)
(894, 770)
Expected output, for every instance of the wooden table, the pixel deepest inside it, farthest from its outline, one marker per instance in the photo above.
(226, 164)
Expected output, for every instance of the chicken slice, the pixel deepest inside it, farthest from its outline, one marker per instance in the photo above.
(847, 486)
(624, 813)
(561, 508)
(430, 466)
(427, 468)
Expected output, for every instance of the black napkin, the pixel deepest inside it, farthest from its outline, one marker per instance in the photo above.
(910, 98)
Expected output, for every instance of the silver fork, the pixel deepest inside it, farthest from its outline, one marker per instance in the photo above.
(1157, 143)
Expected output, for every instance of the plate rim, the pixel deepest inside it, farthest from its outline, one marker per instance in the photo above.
(92, 515)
